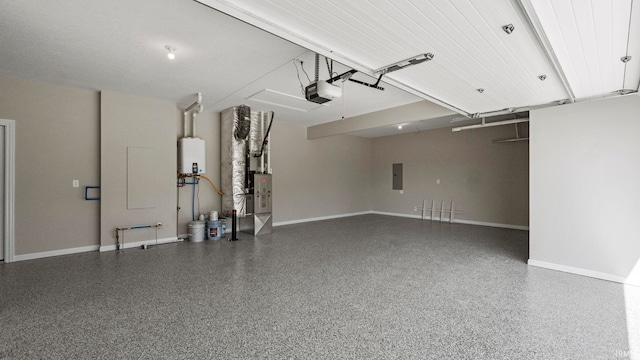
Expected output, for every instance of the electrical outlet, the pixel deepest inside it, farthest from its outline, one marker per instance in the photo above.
(76, 183)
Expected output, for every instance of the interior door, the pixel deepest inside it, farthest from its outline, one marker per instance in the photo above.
(2, 194)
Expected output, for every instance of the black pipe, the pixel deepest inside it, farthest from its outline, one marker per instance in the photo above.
(233, 226)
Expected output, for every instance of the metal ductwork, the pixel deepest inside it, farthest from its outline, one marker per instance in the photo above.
(244, 167)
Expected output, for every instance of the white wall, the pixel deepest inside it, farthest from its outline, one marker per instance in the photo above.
(585, 187)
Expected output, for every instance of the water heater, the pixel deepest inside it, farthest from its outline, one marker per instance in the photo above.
(191, 156)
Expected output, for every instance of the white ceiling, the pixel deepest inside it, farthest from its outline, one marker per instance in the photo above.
(119, 46)
(554, 49)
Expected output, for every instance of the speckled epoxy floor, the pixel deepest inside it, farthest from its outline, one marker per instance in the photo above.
(366, 287)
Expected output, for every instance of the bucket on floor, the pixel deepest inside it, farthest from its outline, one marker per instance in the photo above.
(224, 226)
(196, 231)
(214, 230)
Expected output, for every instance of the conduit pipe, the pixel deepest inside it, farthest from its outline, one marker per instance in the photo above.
(197, 106)
(489, 124)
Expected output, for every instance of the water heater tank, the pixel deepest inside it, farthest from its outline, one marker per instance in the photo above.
(191, 156)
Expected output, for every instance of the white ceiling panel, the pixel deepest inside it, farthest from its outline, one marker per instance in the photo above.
(589, 37)
(102, 45)
(471, 49)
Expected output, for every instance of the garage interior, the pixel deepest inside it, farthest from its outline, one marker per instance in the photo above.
(435, 179)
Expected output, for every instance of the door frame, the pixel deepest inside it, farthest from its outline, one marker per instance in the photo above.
(9, 187)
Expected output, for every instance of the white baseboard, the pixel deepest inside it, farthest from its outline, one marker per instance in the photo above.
(396, 214)
(45, 254)
(456, 221)
(299, 221)
(482, 223)
(580, 271)
(140, 243)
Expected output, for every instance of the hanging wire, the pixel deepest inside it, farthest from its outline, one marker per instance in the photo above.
(304, 71)
(342, 97)
(300, 81)
(330, 68)
(624, 78)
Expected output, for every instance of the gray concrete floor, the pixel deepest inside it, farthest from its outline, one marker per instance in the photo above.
(366, 287)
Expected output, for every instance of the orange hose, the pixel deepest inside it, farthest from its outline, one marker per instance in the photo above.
(211, 182)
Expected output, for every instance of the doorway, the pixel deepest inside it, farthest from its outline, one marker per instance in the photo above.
(7, 187)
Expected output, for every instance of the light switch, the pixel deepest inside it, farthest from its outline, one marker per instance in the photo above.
(76, 183)
(437, 181)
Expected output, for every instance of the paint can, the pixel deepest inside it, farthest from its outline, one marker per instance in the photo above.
(213, 216)
(196, 231)
(214, 230)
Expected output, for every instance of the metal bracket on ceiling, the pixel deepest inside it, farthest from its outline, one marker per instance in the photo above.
(515, 139)
(347, 76)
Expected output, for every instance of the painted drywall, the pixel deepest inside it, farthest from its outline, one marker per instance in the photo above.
(488, 182)
(584, 187)
(318, 178)
(57, 141)
(406, 113)
(127, 121)
(207, 199)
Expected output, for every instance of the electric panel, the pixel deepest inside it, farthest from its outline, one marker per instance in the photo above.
(397, 176)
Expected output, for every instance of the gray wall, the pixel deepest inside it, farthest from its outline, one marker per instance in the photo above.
(585, 171)
(57, 141)
(406, 113)
(318, 178)
(142, 122)
(488, 182)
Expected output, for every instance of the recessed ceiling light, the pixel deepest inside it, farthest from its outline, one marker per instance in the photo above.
(171, 55)
(508, 28)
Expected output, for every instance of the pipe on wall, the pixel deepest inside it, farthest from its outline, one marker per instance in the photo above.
(197, 105)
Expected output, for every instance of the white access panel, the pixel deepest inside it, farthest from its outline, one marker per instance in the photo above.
(190, 151)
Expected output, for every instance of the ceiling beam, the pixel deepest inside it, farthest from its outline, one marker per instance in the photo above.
(529, 13)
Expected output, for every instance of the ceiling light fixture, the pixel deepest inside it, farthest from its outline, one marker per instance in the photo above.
(399, 127)
(508, 28)
(625, 59)
(171, 55)
(542, 77)
(405, 63)
(481, 90)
